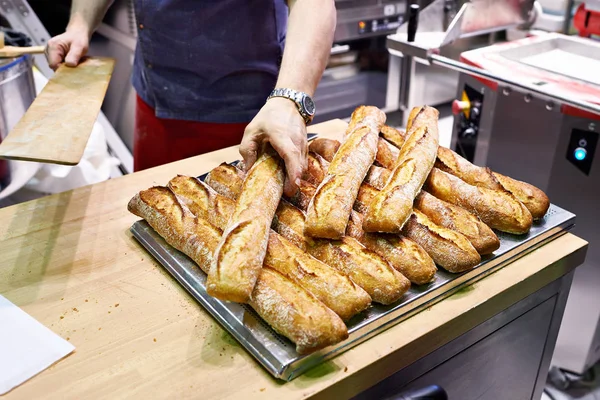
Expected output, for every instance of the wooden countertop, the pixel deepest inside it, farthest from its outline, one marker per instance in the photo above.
(70, 262)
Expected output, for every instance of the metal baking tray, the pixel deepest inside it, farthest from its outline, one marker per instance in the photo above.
(278, 355)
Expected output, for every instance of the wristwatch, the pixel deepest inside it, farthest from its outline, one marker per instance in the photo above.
(305, 104)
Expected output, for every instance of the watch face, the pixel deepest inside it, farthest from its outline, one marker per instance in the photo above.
(309, 105)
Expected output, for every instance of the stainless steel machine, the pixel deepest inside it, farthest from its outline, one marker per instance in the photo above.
(530, 109)
(550, 144)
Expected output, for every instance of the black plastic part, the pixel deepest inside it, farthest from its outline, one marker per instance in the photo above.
(413, 21)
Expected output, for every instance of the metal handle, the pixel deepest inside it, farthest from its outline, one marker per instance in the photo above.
(462, 67)
(413, 21)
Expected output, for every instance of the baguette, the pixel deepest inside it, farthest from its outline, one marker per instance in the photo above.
(304, 195)
(434, 239)
(533, 198)
(368, 270)
(336, 290)
(316, 169)
(235, 267)
(536, 201)
(295, 313)
(331, 287)
(224, 173)
(329, 209)
(460, 220)
(448, 249)
(199, 199)
(393, 135)
(403, 254)
(390, 209)
(496, 208)
(324, 147)
(378, 177)
(289, 309)
(387, 154)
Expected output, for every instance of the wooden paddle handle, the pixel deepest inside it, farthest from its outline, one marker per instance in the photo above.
(13, 51)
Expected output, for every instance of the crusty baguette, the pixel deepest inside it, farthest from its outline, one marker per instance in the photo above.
(387, 154)
(295, 313)
(497, 208)
(333, 288)
(367, 269)
(241, 251)
(378, 177)
(306, 191)
(336, 290)
(458, 219)
(536, 201)
(371, 272)
(403, 254)
(175, 223)
(392, 206)
(316, 169)
(324, 147)
(533, 198)
(329, 210)
(427, 235)
(223, 173)
(366, 116)
(196, 196)
(449, 249)
(393, 135)
(288, 308)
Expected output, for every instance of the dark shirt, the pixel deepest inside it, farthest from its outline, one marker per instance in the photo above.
(208, 60)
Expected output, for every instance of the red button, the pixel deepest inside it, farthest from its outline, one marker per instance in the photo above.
(459, 106)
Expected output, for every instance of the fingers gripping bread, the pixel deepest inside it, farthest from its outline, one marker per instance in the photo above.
(458, 219)
(241, 251)
(403, 254)
(496, 208)
(533, 198)
(289, 309)
(390, 209)
(329, 210)
(324, 147)
(331, 287)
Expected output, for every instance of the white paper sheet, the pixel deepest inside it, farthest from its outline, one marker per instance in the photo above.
(26, 346)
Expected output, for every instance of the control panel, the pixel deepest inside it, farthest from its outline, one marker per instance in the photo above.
(581, 149)
(390, 24)
(468, 114)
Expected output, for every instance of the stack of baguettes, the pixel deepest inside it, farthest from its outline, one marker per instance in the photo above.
(373, 214)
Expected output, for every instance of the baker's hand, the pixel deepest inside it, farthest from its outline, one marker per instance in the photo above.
(69, 47)
(280, 124)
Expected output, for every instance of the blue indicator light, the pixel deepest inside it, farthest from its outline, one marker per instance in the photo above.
(580, 154)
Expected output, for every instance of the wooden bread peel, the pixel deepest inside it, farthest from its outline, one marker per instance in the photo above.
(56, 127)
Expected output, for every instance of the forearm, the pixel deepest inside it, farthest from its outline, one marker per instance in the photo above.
(311, 25)
(88, 14)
